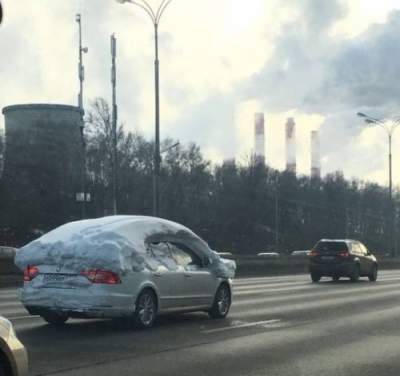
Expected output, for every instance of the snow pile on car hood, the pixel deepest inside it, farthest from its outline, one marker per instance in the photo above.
(117, 243)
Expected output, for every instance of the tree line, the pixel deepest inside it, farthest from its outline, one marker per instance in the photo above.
(241, 208)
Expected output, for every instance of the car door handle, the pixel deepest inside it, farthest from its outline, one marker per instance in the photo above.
(188, 275)
(157, 274)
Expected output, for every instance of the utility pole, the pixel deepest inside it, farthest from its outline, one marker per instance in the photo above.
(81, 74)
(389, 127)
(391, 203)
(276, 221)
(155, 15)
(114, 122)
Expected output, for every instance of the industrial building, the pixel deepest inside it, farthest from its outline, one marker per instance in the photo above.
(291, 165)
(42, 165)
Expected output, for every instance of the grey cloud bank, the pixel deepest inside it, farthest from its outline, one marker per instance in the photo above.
(309, 70)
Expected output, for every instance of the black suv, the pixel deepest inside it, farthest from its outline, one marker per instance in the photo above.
(342, 258)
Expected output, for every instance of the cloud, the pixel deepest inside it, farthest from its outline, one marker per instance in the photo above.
(313, 72)
(220, 62)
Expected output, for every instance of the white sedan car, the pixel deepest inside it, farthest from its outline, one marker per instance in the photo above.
(123, 266)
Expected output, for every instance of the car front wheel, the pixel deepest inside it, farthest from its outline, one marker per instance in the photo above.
(315, 277)
(222, 303)
(4, 366)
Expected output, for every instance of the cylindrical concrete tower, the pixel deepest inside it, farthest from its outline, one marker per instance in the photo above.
(315, 155)
(291, 145)
(259, 137)
(41, 165)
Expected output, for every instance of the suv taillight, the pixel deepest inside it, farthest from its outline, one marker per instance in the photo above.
(313, 253)
(344, 254)
(101, 276)
(30, 272)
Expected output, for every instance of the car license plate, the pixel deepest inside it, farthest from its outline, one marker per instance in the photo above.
(51, 278)
(327, 258)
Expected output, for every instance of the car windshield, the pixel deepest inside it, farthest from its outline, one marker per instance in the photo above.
(331, 247)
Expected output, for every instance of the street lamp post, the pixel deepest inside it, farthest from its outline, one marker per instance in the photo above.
(155, 15)
(389, 127)
(81, 73)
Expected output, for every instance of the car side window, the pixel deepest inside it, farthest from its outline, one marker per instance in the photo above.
(355, 248)
(184, 257)
(363, 249)
(162, 258)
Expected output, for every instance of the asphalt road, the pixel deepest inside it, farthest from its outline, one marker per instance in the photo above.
(277, 326)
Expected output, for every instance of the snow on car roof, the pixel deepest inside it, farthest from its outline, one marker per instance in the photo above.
(117, 243)
(88, 227)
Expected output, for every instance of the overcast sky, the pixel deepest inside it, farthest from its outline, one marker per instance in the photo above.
(319, 61)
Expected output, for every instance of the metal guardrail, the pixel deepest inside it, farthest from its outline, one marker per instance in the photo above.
(7, 252)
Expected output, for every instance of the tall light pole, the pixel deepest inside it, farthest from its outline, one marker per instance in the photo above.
(389, 126)
(81, 74)
(114, 120)
(155, 16)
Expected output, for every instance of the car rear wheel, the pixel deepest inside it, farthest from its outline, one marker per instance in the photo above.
(54, 318)
(373, 276)
(355, 276)
(315, 277)
(146, 309)
(222, 302)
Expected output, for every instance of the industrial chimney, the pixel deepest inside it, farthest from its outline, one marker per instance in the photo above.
(315, 155)
(259, 137)
(291, 145)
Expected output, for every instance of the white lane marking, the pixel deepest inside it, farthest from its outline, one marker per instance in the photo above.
(23, 317)
(240, 324)
(293, 286)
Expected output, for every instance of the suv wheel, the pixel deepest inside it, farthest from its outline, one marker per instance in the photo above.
(54, 318)
(315, 277)
(373, 276)
(355, 275)
(145, 309)
(222, 303)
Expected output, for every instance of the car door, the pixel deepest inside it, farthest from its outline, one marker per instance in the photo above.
(166, 276)
(199, 283)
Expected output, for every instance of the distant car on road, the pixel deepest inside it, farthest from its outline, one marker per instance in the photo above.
(13, 357)
(342, 258)
(302, 253)
(123, 266)
(268, 254)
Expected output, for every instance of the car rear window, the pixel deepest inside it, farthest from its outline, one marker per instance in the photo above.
(331, 247)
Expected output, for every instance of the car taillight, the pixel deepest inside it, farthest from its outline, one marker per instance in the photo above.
(30, 272)
(313, 253)
(101, 276)
(344, 254)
